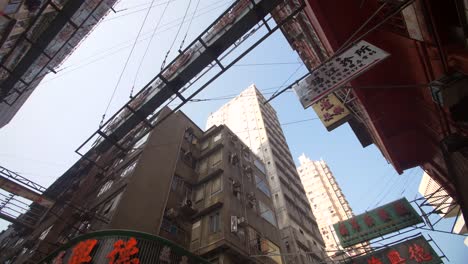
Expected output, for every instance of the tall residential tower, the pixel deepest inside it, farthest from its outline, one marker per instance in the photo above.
(257, 125)
(328, 202)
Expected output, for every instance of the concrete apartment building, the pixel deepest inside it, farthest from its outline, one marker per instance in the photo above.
(257, 125)
(205, 191)
(35, 38)
(328, 203)
(439, 199)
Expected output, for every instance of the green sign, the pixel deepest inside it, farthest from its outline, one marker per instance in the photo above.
(377, 222)
(121, 246)
(413, 251)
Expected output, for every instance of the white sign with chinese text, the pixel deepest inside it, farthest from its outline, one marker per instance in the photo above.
(338, 71)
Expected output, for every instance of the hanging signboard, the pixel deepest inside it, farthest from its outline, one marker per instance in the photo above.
(413, 251)
(331, 111)
(338, 71)
(377, 222)
(20, 190)
(121, 246)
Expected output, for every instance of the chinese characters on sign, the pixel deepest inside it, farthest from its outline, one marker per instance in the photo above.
(24, 192)
(331, 111)
(124, 252)
(338, 71)
(380, 221)
(413, 251)
(82, 252)
(122, 247)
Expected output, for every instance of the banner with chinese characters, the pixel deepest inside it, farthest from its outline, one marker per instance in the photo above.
(121, 246)
(20, 190)
(338, 71)
(413, 251)
(377, 222)
(331, 111)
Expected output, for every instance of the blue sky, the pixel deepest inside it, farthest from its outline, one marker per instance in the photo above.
(67, 108)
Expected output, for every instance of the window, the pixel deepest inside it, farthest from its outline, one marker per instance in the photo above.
(190, 136)
(105, 188)
(196, 233)
(12, 7)
(246, 155)
(266, 213)
(176, 181)
(141, 142)
(216, 158)
(196, 225)
(45, 233)
(128, 170)
(199, 193)
(110, 205)
(214, 223)
(216, 185)
(205, 144)
(262, 186)
(203, 166)
(260, 165)
(217, 137)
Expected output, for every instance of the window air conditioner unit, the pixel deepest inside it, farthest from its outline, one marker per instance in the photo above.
(241, 221)
(187, 203)
(233, 139)
(172, 213)
(234, 159)
(248, 169)
(236, 187)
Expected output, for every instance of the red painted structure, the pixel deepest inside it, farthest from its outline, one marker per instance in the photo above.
(425, 43)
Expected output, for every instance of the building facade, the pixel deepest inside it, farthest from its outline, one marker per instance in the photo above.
(257, 125)
(328, 203)
(416, 116)
(35, 38)
(204, 191)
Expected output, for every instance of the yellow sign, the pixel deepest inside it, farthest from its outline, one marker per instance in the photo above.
(331, 111)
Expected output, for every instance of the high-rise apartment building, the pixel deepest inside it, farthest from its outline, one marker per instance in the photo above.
(35, 38)
(257, 125)
(328, 202)
(442, 202)
(204, 191)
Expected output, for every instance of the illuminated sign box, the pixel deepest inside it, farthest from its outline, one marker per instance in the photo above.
(413, 251)
(331, 111)
(377, 222)
(338, 71)
(121, 246)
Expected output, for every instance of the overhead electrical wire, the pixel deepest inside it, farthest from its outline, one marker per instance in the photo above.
(125, 65)
(100, 56)
(287, 80)
(176, 35)
(189, 25)
(147, 47)
(136, 6)
(136, 11)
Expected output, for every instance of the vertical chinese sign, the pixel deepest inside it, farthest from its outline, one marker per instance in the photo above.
(377, 222)
(338, 71)
(331, 111)
(413, 251)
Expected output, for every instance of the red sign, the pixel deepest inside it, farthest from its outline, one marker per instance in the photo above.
(124, 252)
(416, 250)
